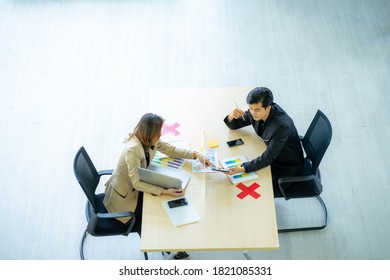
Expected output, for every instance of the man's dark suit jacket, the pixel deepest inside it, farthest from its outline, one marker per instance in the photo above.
(284, 151)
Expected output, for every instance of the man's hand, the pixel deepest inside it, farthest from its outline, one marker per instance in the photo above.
(237, 113)
(236, 170)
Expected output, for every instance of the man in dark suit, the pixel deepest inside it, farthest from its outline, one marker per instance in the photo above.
(284, 151)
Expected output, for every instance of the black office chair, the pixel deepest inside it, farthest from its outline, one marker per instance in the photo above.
(100, 222)
(315, 143)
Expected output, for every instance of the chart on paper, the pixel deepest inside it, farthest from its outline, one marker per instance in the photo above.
(174, 163)
(198, 166)
(163, 160)
(237, 161)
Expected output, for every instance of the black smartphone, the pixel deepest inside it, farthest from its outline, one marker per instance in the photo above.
(177, 203)
(219, 169)
(235, 142)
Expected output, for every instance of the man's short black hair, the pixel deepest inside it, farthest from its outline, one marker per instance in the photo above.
(260, 94)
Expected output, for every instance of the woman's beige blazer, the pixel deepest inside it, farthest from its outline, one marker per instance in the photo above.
(122, 188)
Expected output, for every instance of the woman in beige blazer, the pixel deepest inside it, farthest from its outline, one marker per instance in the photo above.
(124, 190)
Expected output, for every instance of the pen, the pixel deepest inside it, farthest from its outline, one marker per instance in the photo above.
(237, 108)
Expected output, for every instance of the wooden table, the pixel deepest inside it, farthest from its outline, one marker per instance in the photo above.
(226, 221)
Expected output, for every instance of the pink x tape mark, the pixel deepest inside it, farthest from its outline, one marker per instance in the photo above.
(248, 190)
(170, 129)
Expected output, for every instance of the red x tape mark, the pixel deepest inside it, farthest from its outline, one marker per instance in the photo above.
(248, 190)
(170, 129)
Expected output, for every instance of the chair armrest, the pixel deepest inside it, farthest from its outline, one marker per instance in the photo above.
(115, 215)
(96, 217)
(105, 172)
(287, 180)
(295, 179)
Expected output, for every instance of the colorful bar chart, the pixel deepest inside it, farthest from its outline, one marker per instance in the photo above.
(175, 163)
(237, 162)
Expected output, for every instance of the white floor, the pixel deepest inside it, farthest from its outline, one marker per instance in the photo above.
(76, 73)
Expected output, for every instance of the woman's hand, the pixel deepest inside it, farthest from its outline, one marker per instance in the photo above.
(204, 160)
(173, 192)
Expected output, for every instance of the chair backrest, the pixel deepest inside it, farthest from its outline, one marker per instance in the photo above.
(317, 139)
(86, 174)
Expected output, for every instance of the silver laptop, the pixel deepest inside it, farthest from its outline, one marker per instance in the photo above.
(163, 177)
